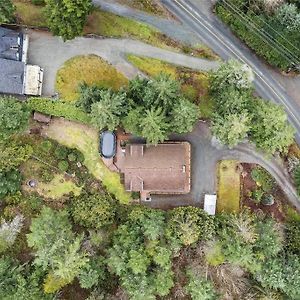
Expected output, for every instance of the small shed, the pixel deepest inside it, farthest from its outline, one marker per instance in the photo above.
(42, 118)
(210, 202)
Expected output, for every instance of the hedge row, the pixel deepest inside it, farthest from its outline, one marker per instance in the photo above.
(58, 109)
(256, 42)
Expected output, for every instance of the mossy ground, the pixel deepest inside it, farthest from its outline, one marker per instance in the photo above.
(228, 186)
(89, 69)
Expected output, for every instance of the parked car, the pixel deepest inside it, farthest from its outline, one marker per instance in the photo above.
(108, 144)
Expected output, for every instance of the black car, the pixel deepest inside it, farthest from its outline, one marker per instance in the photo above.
(108, 143)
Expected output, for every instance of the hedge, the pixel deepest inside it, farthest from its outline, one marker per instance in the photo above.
(58, 109)
(257, 43)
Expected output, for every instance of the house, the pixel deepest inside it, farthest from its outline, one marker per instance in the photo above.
(16, 77)
(161, 169)
(13, 45)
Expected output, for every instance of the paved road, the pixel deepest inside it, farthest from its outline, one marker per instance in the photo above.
(194, 13)
(171, 28)
(51, 52)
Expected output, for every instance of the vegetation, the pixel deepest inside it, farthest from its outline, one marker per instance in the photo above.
(90, 70)
(194, 84)
(57, 187)
(148, 6)
(107, 112)
(228, 186)
(66, 18)
(107, 24)
(7, 10)
(58, 109)
(85, 139)
(57, 248)
(29, 14)
(271, 28)
(150, 108)
(13, 117)
(93, 210)
(240, 115)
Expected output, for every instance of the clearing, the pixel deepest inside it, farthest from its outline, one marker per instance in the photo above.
(58, 187)
(228, 186)
(86, 140)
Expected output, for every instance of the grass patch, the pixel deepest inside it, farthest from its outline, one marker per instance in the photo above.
(29, 14)
(90, 69)
(148, 6)
(228, 187)
(86, 140)
(111, 25)
(56, 188)
(194, 84)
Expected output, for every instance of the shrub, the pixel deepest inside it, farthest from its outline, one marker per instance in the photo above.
(72, 157)
(38, 2)
(257, 195)
(293, 237)
(58, 109)
(46, 175)
(61, 152)
(46, 146)
(93, 211)
(200, 288)
(63, 166)
(262, 178)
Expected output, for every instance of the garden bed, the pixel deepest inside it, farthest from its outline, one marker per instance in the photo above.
(280, 210)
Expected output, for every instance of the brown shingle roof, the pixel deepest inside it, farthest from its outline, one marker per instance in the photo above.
(164, 168)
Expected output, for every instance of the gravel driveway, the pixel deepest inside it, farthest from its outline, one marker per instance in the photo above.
(205, 155)
(51, 52)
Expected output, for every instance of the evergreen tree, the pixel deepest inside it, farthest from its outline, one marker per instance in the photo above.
(66, 18)
(184, 116)
(154, 126)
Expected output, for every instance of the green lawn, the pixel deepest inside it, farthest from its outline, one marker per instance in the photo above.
(194, 85)
(228, 186)
(85, 139)
(90, 69)
(57, 188)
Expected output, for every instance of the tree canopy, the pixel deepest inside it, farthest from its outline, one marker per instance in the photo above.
(58, 250)
(240, 115)
(14, 116)
(66, 18)
(7, 11)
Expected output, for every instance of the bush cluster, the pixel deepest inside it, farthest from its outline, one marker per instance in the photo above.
(58, 109)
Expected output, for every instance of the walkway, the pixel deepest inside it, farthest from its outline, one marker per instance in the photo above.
(51, 52)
